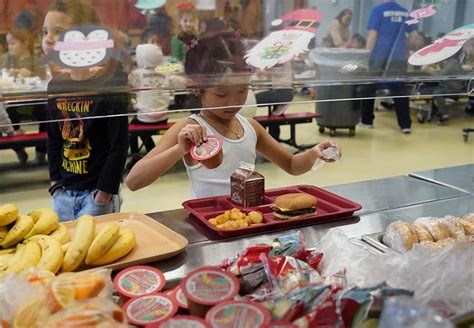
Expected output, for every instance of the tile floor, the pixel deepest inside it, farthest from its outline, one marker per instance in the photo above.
(373, 153)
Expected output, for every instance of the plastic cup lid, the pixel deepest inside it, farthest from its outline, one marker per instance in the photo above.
(182, 321)
(150, 309)
(139, 280)
(208, 149)
(180, 298)
(209, 286)
(238, 314)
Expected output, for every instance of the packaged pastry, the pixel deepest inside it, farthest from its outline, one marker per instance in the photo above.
(421, 232)
(238, 314)
(439, 244)
(138, 281)
(150, 309)
(206, 287)
(209, 153)
(400, 236)
(181, 321)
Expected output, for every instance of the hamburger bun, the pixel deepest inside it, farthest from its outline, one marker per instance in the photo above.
(400, 236)
(421, 232)
(294, 206)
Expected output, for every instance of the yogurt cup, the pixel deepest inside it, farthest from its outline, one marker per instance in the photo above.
(181, 321)
(206, 287)
(150, 309)
(209, 153)
(138, 281)
(233, 314)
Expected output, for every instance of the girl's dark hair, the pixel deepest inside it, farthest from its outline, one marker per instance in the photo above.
(342, 13)
(80, 13)
(213, 55)
(24, 36)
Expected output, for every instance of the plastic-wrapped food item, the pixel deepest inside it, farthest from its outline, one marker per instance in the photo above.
(238, 314)
(438, 245)
(96, 312)
(138, 281)
(150, 309)
(181, 321)
(468, 225)
(281, 324)
(421, 232)
(403, 311)
(456, 230)
(289, 245)
(248, 267)
(400, 236)
(206, 287)
(438, 232)
(359, 305)
(285, 273)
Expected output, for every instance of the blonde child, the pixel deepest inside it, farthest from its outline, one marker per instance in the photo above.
(187, 23)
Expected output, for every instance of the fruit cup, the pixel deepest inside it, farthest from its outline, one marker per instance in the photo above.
(150, 309)
(138, 281)
(209, 153)
(206, 287)
(238, 314)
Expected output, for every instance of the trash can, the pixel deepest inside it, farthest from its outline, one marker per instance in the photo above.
(338, 67)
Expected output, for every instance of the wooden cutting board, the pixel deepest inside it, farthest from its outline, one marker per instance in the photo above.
(155, 241)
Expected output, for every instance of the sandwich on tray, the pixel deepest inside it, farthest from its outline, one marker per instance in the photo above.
(294, 206)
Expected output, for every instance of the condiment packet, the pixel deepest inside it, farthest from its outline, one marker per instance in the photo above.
(329, 153)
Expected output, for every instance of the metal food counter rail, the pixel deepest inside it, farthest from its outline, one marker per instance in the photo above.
(383, 200)
(457, 177)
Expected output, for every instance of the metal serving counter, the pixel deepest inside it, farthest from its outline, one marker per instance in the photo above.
(384, 201)
(456, 177)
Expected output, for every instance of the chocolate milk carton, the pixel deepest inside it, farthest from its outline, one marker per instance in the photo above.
(247, 187)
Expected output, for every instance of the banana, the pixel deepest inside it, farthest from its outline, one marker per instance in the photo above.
(103, 241)
(61, 234)
(124, 245)
(83, 237)
(46, 221)
(8, 214)
(51, 252)
(5, 261)
(30, 256)
(6, 251)
(16, 234)
(65, 247)
(3, 233)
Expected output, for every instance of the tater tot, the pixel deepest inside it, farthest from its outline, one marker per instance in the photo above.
(242, 223)
(256, 217)
(220, 219)
(227, 215)
(213, 221)
(236, 216)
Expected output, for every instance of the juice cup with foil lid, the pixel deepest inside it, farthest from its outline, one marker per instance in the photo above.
(209, 153)
(181, 321)
(206, 287)
(150, 309)
(138, 281)
(233, 314)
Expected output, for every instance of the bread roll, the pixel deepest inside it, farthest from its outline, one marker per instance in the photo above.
(438, 245)
(421, 232)
(468, 226)
(456, 231)
(399, 236)
(436, 231)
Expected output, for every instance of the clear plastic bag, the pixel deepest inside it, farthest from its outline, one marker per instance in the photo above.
(329, 153)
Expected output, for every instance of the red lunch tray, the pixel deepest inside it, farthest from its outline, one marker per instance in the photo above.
(329, 207)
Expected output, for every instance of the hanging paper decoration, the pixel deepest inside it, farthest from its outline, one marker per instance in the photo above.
(421, 13)
(297, 30)
(83, 46)
(443, 48)
(149, 6)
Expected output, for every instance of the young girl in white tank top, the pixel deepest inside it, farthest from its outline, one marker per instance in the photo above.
(216, 65)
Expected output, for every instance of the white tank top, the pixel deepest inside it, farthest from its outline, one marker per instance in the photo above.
(215, 182)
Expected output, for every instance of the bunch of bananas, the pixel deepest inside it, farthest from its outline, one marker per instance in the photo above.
(38, 239)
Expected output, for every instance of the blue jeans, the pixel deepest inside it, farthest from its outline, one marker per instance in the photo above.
(71, 204)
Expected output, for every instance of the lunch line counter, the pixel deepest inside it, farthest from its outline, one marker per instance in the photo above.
(383, 201)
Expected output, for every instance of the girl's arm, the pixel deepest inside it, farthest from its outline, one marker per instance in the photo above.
(173, 146)
(292, 164)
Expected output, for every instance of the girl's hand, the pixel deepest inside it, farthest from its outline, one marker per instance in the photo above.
(324, 145)
(190, 135)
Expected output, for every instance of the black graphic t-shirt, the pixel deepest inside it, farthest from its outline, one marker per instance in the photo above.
(88, 142)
